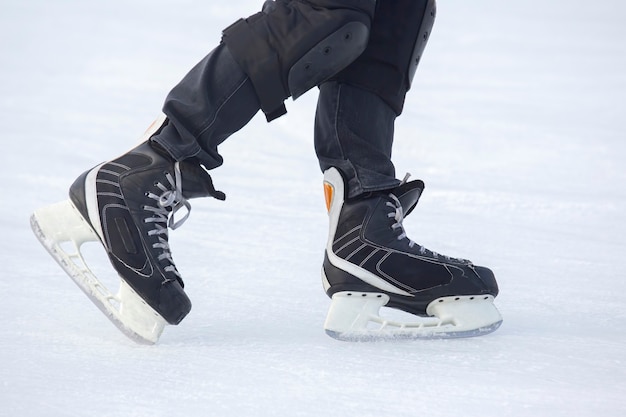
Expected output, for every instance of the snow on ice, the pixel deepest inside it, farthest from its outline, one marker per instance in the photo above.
(515, 123)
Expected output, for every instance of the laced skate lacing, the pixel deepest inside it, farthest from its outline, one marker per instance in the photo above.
(398, 215)
(167, 204)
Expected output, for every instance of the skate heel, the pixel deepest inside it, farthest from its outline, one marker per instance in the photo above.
(61, 222)
(62, 231)
(351, 312)
(355, 316)
(467, 315)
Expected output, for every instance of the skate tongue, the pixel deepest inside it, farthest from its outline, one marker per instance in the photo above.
(197, 182)
(408, 193)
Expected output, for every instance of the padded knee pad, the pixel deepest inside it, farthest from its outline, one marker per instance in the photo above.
(398, 36)
(293, 45)
(425, 27)
(328, 57)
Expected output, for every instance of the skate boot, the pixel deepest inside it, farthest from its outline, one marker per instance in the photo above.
(128, 204)
(370, 263)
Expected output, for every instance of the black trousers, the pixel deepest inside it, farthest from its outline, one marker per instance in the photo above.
(354, 123)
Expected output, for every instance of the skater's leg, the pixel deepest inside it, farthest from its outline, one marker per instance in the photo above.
(370, 262)
(354, 123)
(354, 133)
(128, 203)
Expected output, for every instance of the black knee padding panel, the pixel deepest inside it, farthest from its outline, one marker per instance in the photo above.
(425, 27)
(328, 57)
(398, 36)
(294, 45)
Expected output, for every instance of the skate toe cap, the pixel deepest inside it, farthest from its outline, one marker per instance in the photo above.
(174, 304)
(488, 278)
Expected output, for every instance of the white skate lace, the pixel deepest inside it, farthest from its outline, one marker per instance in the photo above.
(398, 215)
(171, 198)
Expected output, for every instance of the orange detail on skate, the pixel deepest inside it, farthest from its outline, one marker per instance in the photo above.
(154, 127)
(328, 195)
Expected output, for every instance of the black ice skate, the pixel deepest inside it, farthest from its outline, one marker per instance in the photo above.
(371, 263)
(128, 204)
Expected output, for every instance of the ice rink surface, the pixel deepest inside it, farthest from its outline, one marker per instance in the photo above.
(514, 122)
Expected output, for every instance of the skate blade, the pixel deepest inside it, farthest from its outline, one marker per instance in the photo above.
(356, 317)
(62, 230)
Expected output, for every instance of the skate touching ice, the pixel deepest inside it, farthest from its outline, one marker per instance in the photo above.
(370, 262)
(363, 70)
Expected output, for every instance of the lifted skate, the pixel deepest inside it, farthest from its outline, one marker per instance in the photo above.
(355, 316)
(62, 230)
